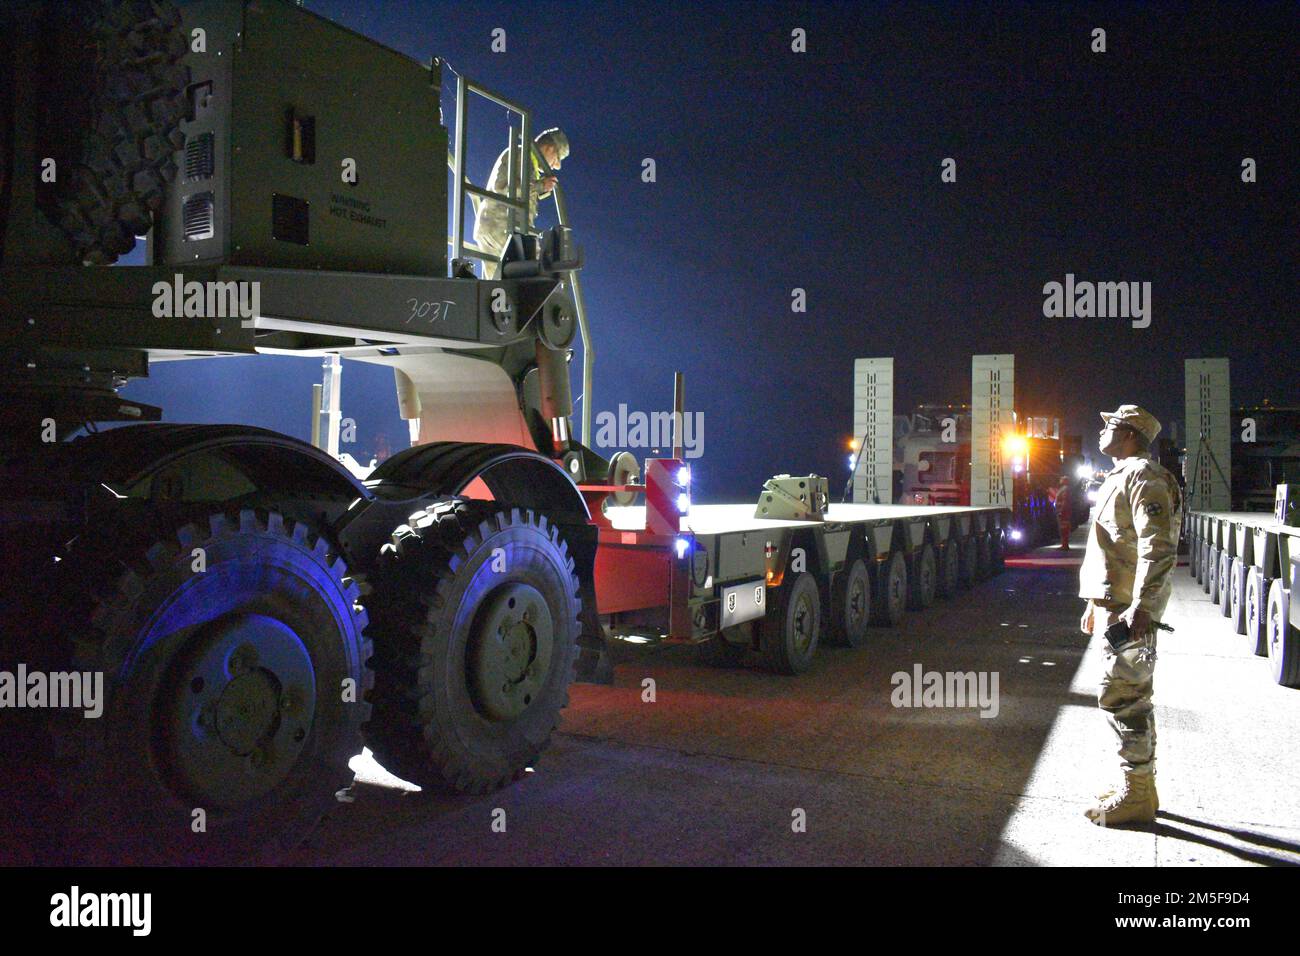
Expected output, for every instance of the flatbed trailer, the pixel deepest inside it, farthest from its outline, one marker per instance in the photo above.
(1248, 562)
(733, 582)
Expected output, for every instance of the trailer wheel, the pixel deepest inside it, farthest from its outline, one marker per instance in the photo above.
(851, 605)
(983, 558)
(114, 100)
(791, 629)
(476, 623)
(1237, 596)
(997, 552)
(968, 556)
(1225, 584)
(946, 581)
(1256, 613)
(1283, 652)
(891, 594)
(1193, 556)
(1202, 561)
(234, 667)
(920, 594)
(720, 652)
(1212, 576)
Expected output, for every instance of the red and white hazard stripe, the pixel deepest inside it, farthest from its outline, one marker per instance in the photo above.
(662, 512)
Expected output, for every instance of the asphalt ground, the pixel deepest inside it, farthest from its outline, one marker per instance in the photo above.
(743, 767)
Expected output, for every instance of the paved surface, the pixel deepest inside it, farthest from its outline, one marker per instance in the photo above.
(718, 767)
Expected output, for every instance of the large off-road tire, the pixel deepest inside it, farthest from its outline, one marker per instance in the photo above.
(890, 601)
(475, 619)
(851, 605)
(1212, 576)
(946, 583)
(233, 659)
(1256, 612)
(1283, 639)
(113, 88)
(923, 578)
(790, 631)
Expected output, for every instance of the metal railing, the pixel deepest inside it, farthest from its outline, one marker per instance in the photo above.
(516, 199)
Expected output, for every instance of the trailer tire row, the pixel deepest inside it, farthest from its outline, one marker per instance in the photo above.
(857, 596)
(1257, 605)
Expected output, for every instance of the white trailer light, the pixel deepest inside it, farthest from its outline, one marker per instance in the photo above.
(683, 545)
(853, 462)
(1016, 535)
(1083, 471)
(683, 502)
(684, 476)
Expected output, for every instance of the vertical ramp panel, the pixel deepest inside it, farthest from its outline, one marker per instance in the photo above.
(873, 427)
(992, 403)
(1209, 435)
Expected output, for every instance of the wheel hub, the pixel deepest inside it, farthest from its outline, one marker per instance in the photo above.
(510, 651)
(238, 710)
(857, 602)
(803, 615)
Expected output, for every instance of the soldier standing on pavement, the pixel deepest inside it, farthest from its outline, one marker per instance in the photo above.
(1126, 575)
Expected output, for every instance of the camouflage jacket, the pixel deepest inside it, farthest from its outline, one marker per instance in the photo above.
(491, 227)
(1133, 541)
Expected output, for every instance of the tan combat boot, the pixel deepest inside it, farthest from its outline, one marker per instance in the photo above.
(1134, 802)
(1114, 788)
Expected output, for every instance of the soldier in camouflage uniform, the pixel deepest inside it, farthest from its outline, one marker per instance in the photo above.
(1127, 574)
(492, 225)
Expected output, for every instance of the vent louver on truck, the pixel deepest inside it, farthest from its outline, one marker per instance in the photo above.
(197, 217)
(198, 158)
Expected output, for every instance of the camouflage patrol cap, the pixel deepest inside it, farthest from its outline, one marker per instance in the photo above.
(1136, 418)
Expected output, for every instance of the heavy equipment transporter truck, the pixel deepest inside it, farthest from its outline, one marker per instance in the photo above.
(256, 612)
(1249, 564)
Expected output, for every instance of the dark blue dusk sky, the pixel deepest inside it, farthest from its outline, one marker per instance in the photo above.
(822, 171)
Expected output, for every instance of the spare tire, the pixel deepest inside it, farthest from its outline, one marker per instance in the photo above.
(113, 97)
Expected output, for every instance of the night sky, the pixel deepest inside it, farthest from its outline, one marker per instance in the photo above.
(821, 170)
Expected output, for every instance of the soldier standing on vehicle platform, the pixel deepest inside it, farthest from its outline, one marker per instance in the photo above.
(492, 226)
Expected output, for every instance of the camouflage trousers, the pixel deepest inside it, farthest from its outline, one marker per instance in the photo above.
(1125, 693)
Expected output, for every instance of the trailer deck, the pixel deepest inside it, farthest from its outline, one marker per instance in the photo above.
(725, 519)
